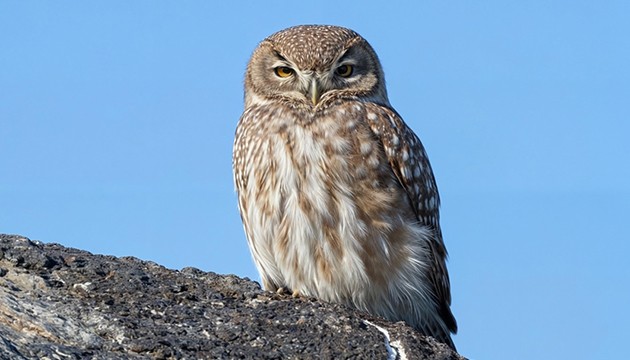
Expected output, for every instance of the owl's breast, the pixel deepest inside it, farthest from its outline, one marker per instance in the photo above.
(332, 156)
(322, 201)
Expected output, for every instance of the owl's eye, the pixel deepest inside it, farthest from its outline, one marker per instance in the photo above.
(344, 70)
(284, 71)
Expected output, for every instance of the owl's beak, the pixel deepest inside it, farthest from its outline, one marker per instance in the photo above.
(314, 91)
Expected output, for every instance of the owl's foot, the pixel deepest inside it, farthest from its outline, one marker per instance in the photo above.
(282, 291)
(286, 291)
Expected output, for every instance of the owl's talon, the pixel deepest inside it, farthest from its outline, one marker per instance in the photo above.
(295, 294)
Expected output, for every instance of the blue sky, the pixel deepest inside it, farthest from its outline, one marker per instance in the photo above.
(117, 121)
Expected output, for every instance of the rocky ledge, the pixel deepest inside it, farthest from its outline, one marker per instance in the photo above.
(63, 303)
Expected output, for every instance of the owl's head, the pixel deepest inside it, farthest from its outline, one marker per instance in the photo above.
(311, 65)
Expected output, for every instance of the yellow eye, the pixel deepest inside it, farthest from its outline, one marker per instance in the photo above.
(344, 70)
(284, 71)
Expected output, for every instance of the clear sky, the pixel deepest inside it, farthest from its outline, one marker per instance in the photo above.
(117, 120)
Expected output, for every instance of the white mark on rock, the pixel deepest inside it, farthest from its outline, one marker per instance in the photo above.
(395, 350)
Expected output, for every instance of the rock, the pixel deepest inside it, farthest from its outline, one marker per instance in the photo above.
(62, 303)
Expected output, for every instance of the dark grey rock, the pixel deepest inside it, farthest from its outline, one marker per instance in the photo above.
(63, 303)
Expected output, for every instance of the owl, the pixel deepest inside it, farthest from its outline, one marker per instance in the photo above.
(336, 193)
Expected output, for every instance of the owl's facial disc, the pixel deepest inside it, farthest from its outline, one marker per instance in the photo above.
(311, 83)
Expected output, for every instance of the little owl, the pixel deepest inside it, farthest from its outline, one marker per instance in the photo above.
(336, 192)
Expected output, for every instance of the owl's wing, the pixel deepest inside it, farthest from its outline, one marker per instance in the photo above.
(410, 164)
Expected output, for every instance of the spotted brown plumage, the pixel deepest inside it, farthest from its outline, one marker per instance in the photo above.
(336, 192)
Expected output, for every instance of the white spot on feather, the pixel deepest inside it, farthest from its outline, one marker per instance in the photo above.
(405, 155)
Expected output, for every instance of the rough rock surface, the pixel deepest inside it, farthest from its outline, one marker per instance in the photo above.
(62, 303)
